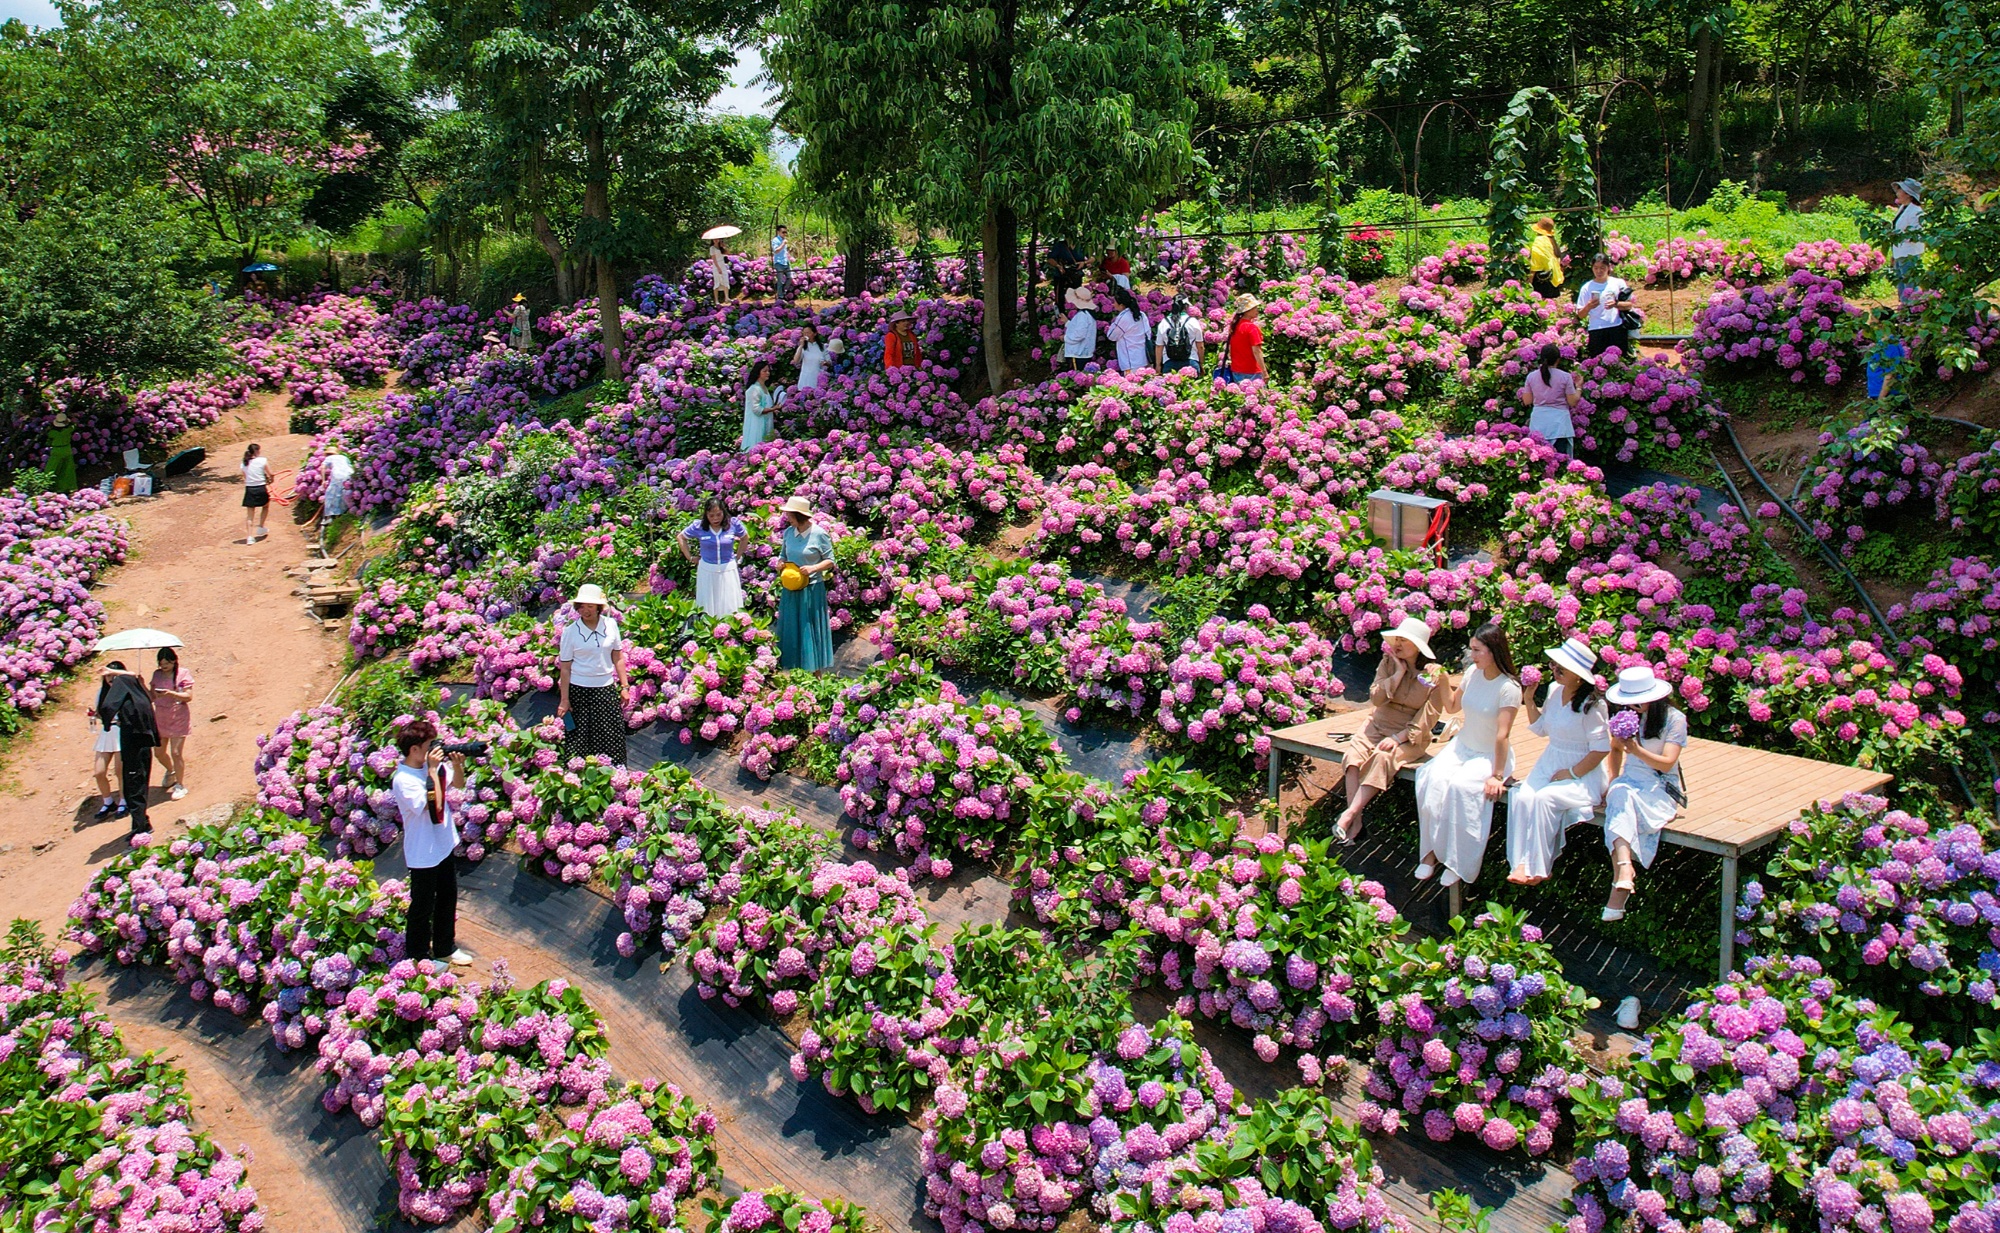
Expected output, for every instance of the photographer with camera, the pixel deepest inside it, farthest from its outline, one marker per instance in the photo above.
(427, 772)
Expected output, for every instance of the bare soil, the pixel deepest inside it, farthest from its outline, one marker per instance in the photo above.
(255, 658)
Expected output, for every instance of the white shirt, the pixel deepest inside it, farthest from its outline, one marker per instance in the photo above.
(1166, 327)
(1592, 293)
(1128, 331)
(1909, 218)
(257, 472)
(426, 844)
(588, 652)
(1481, 703)
(339, 469)
(1572, 734)
(1080, 336)
(780, 255)
(720, 264)
(811, 359)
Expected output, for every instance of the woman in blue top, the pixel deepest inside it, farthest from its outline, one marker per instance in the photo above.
(710, 541)
(805, 631)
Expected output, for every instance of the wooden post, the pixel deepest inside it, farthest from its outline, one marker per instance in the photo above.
(1455, 896)
(1728, 916)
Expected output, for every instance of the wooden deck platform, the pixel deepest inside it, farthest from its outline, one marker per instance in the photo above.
(1739, 799)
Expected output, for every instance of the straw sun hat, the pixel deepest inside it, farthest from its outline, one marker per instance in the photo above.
(590, 593)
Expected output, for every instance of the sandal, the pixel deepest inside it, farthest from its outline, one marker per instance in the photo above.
(1425, 871)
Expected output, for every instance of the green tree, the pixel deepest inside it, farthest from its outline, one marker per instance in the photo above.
(991, 113)
(99, 289)
(606, 94)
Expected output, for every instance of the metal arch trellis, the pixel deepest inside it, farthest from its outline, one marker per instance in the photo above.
(1415, 193)
(1666, 166)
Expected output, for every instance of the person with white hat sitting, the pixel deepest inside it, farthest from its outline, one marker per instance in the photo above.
(1080, 334)
(1569, 778)
(1404, 696)
(1647, 736)
(1456, 789)
(591, 679)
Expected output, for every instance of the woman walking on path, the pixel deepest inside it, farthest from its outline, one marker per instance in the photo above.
(591, 677)
(810, 358)
(104, 761)
(1404, 698)
(1647, 736)
(421, 783)
(172, 689)
(1456, 788)
(1545, 271)
(1568, 779)
(805, 629)
(1129, 332)
(759, 418)
(1906, 256)
(710, 541)
(1551, 394)
(718, 268)
(1080, 331)
(256, 492)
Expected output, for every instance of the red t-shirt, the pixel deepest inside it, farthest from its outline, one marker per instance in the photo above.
(1248, 334)
(1117, 265)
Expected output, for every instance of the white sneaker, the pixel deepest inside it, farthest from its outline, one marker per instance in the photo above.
(176, 792)
(460, 958)
(1449, 879)
(1425, 870)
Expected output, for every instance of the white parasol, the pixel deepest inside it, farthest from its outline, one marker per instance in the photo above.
(725, 231)
(137, 640)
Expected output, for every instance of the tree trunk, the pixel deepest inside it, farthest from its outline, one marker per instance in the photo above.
(1009, 258)
(1033, 272)
(992, 265)
(1704, 65)
(855, 244)
(545, 235)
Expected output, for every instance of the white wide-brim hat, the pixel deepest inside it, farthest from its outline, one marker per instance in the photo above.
(1416, 633)
(1081, 297)
(1637, 686)
(797, 505)
(591, 593)
(1577, 656)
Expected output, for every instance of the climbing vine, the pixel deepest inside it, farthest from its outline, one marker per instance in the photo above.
(1324, 141)
(1513, 185)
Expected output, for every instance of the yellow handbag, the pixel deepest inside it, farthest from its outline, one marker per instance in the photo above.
(792, 578)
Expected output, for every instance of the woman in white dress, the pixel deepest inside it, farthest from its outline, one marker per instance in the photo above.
(1646, 787)
(810, 358)
(758, 401)
(718, 267)
(1568, 779)
(1456, 788)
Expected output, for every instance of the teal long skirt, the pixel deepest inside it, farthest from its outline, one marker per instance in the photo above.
(805, 632)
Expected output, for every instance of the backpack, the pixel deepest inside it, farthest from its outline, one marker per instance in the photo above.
(1179, 348)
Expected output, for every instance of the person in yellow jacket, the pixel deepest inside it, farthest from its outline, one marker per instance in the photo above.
(1545, 268)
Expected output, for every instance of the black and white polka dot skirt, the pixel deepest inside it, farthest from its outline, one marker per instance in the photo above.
(600, 723)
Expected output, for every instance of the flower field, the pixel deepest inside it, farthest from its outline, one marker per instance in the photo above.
(52, 547)
(1847, 1076)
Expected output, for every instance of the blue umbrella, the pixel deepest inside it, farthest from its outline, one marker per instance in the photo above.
(262, 267)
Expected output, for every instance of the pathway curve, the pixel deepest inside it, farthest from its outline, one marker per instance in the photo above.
(255, 658)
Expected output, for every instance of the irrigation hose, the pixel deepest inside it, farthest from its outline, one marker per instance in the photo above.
(1827, 555)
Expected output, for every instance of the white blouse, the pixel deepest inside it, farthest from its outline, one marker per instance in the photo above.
(1482, 702)
(588, 652)
(1576, 733)
(257, 472)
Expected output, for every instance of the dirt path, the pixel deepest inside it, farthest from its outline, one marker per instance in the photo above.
(255, 658)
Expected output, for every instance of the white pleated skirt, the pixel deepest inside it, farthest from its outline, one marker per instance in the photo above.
(718, 589)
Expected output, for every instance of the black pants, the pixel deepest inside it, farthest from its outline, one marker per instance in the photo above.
(432, 931)
(1603, 340)
(136, 781)
(1545, 286)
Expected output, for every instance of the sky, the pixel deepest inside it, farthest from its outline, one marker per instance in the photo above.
(738, 96)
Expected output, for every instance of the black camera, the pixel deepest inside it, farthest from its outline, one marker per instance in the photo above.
(471, 749)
